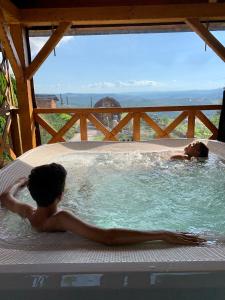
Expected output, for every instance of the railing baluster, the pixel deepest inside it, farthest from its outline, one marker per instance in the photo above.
(191, 124)
(136, 127)
(83, 127)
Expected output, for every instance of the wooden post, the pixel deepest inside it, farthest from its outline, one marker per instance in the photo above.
(191, 124)
(221, 129)
(136, 127)
(15, 133)
(83, 128)
(24, 90)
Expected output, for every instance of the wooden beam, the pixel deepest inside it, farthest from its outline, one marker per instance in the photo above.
(119, 14)
(10, 11)
(24, 91)
(208, 38)
(9, 47)
(126, 109)
(47, 49)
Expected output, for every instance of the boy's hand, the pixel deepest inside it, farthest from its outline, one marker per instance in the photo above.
(22, 182)
(16, 186)
(183, 238)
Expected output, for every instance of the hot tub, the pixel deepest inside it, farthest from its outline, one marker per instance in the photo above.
(57, 265)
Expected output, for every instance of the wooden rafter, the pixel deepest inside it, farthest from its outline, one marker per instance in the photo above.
(120, 14)
(47, 49)
(10, 50)
(10, 10)
(208, 38)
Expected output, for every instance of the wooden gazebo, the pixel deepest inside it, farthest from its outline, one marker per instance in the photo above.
(21, 18)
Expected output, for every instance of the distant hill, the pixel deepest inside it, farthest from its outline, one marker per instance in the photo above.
(195, 97)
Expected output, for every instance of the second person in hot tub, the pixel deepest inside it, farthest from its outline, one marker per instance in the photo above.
(46, 185)
(196, 149)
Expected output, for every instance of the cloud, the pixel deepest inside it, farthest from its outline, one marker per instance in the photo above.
(121, 84)
(137, 83)
(36, 43)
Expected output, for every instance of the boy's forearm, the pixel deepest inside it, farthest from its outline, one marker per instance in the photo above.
(6, 200)
(15, 188)
(126, 236)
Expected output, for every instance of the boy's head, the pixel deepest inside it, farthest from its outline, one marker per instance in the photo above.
(46, 183)
(197, 149)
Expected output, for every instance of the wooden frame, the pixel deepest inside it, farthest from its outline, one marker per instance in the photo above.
(14, 41)
(122, 14)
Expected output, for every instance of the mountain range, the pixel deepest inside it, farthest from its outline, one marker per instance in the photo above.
(195, 97)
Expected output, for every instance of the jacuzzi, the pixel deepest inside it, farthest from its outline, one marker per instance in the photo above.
(65, 266)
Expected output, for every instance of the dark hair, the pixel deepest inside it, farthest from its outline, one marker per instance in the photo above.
(203, 150)
(46, 183)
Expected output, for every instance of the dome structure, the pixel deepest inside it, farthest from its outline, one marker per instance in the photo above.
(108, 119)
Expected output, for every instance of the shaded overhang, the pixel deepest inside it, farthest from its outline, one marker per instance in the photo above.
(113, 16)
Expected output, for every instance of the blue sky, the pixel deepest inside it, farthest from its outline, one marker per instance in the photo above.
(130, 63)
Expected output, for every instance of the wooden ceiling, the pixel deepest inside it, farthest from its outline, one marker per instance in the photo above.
(98, 3)
(113, 16)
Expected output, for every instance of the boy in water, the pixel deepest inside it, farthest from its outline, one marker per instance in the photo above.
(46, 185)
(196, 149)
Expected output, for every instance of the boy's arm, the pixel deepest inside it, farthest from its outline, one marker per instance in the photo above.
(9, 201)
(65, 221)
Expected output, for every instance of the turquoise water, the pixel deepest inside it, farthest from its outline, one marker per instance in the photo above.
(144, 191)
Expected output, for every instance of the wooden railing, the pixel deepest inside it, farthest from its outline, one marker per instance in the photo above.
(130, 114)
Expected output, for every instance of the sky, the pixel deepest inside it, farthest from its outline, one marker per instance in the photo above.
(129, 63)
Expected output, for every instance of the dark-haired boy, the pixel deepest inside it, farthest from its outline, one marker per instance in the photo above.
(46, 185)
(196, 149)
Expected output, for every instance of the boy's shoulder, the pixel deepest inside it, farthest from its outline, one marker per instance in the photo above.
(50, 224)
